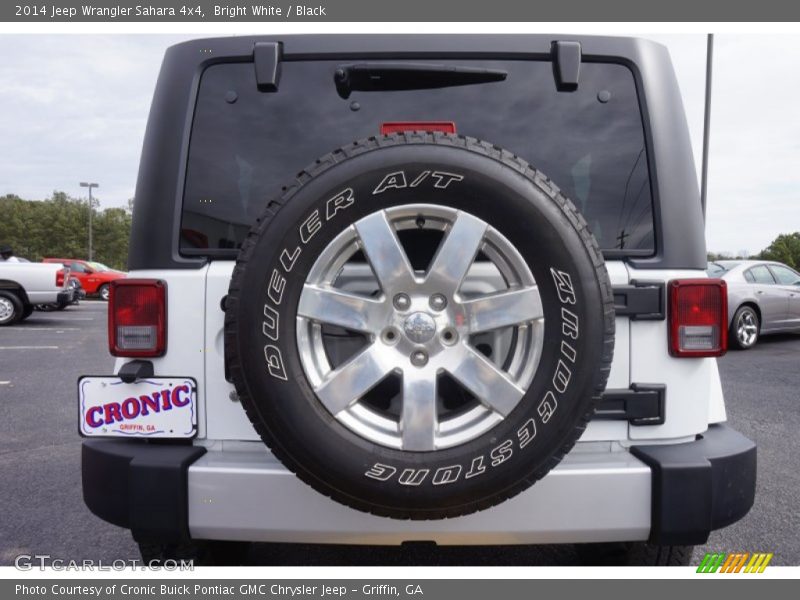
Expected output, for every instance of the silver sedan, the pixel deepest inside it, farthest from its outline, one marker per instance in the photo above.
(763, 297)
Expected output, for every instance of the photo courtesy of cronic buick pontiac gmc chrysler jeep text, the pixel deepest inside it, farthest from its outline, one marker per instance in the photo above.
(387, 289)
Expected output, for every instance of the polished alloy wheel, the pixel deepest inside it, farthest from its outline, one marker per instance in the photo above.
(425, 354)
(6, 310)
(747, 328)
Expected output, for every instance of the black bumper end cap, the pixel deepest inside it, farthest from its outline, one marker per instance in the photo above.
(699, 486)
(140, 486)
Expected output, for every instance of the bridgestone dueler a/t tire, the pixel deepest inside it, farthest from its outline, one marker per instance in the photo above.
(508, 194)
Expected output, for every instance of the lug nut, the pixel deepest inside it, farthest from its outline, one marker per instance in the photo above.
(437, 302)
(390, 335)
(402, 302)
(419, 358)
(449, 336)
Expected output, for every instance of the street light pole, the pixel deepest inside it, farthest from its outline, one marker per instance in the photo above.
(90, 186)
(706, 123)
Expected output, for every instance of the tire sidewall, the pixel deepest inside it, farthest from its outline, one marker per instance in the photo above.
(514, 453)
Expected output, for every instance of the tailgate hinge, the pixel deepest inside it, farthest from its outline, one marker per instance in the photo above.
(641, 404)
(640, 300)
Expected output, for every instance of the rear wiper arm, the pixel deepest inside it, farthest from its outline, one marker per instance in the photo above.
(381, 76)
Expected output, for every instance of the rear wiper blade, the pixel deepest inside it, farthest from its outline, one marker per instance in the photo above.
(381, 76)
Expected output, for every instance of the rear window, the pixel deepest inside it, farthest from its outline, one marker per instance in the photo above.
(761, 274)
(246, 144)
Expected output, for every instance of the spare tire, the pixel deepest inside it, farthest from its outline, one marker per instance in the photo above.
(421, 326)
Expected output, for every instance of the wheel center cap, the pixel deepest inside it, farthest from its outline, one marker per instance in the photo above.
(419, 327)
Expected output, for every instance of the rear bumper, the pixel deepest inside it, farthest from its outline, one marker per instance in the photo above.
(66, 296)
(672, 494)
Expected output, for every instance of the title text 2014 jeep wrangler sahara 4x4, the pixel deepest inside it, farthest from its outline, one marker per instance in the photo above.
(401, 288)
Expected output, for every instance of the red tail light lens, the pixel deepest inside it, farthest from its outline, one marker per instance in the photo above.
(137, 318)
(60, 278)
(698, 317)
(401, 126)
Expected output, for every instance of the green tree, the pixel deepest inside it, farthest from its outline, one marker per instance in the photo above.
(59, 226)
(785, 248)
(111, 234)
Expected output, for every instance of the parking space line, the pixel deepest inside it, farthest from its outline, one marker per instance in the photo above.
(4, 382)
(23, 328)
(70, 318)
(28, 347)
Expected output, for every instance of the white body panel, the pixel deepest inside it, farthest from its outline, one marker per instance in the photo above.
(227, 420)
(186, 348)
(693, 388)
(37, 279)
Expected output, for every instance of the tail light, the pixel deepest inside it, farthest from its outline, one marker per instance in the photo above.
(137, 317)
(62, 277)
(401, 126)
(698, 317)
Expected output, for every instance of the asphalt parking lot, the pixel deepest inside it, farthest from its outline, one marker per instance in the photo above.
(40, 493)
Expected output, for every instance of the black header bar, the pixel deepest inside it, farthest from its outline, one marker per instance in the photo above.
(398, 11)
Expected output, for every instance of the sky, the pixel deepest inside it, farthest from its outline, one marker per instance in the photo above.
(74, 108)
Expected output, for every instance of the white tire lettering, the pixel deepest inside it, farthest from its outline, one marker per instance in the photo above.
(476, 468)
(443, 179)
(420, 178)
(288, 260)
(413, 477)
(570, 325)
(566, 293)
(274, 362)
(277, 283)
(547, 407)
(526, 433)
(568, 352)
(339, 202)
(502, 453)
(310, 227)
(561, 377)
(270, 324)
(380, 472)
(446, 475)
(396, 180)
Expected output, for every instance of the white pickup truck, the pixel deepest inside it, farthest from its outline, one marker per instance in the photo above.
(24, 285)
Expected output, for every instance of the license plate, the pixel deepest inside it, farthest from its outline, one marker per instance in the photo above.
(156, 407)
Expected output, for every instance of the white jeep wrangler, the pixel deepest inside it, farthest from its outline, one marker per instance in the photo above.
(388, 289)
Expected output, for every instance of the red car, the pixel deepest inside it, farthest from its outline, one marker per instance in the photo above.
(95, 277)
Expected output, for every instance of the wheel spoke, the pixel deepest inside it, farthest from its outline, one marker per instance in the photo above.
(503, 310)
(486, 381)
(332, 306)
(385, 253)
(456, 253)
(418, 421)
(345, 385)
